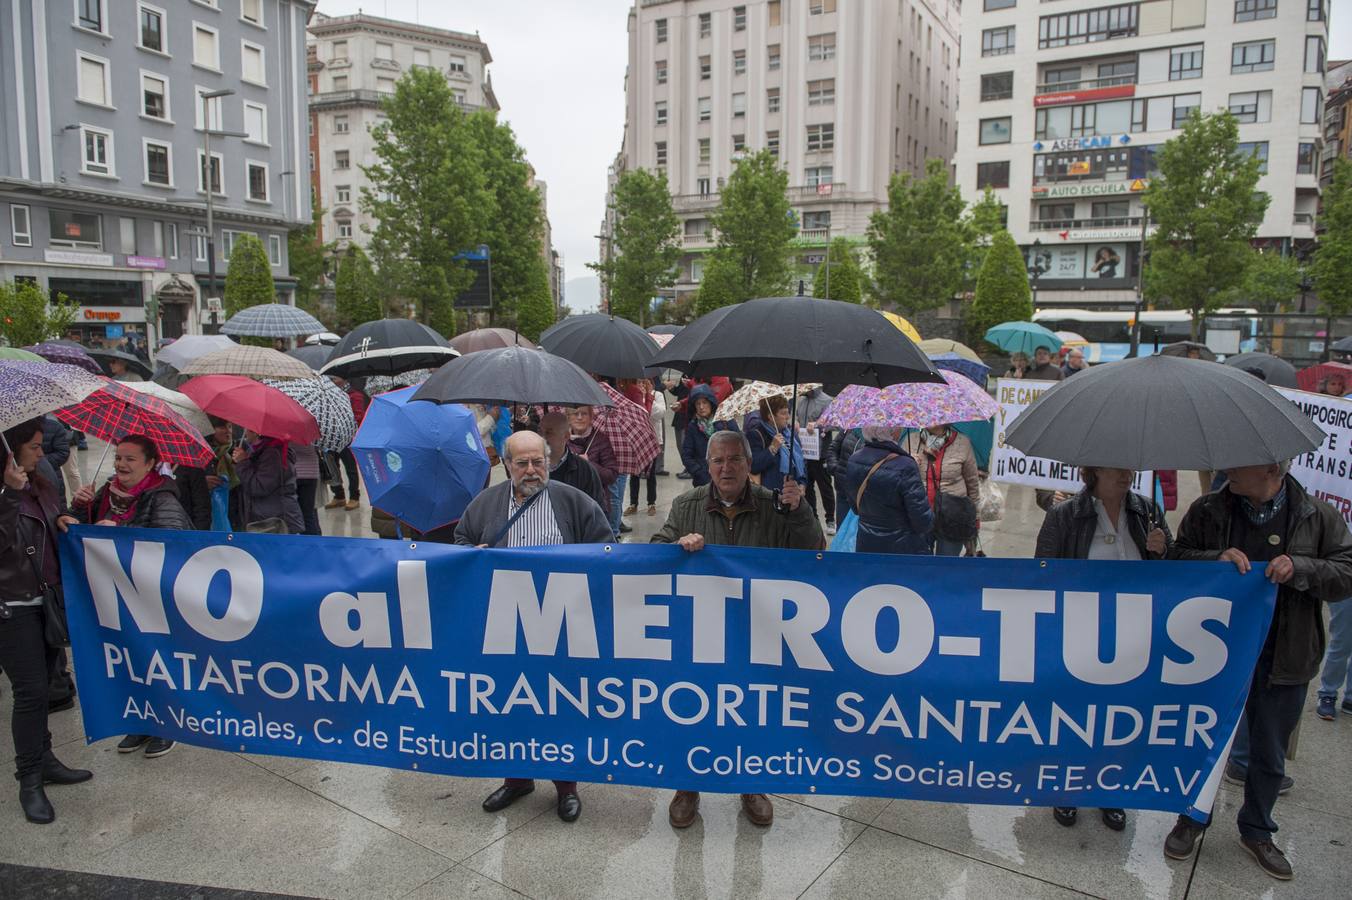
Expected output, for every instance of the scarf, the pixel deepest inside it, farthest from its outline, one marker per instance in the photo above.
(265, 443)
(1262, 513)
(935, 442)
(119, 503)
(705, 425)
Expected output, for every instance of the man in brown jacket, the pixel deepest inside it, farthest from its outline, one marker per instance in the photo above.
(1264, 515)
(732, 511)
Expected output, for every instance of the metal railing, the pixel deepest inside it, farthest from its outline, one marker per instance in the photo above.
(1086, 84)
(1066, 224)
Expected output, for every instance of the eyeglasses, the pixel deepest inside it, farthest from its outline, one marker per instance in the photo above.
(521, 465)
(721, 461)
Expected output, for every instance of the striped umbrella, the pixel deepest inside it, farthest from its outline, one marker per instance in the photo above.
(328, 403)
(67, 353)
(32, 389)
(272, 320)
(116, 411)
(251, 362)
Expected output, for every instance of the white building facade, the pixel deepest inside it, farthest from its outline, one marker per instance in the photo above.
(843, 92)
(1063, 106)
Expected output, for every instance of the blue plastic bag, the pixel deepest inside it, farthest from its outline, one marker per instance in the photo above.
(220, 506)
(846, 533)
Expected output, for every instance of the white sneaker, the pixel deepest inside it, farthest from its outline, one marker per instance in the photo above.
(830, 528)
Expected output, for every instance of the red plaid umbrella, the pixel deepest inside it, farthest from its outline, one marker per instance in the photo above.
(116, 411)
(630, 430)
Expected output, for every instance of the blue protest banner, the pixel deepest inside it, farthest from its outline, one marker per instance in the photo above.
(962, 680)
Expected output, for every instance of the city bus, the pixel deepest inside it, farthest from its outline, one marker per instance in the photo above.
(1108, 332)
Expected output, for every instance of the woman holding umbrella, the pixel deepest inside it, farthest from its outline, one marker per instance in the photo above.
(1103, 521)
(29, 519)
(768, 433)
(137, 496)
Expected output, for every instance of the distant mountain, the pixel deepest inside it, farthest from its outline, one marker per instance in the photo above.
(582, 294)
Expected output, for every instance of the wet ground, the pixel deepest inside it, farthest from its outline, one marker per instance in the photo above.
(207, 824)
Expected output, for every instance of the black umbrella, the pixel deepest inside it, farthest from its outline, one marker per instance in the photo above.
(1163, 412)
(1276, 372)
(313, 355)
(1183, 348)
(664, 329)
(601, 344)
(510, 375)
(388, 347)
(1342, 345)
(134, 363)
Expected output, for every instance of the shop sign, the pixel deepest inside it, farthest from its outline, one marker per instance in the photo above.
(1088, 189)
(1132, 232)
(145, 262)
(75, 258)
(1101, 142)
(1089, 96)
(102, 315)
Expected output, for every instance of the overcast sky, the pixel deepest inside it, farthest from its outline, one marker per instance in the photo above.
(558, 71)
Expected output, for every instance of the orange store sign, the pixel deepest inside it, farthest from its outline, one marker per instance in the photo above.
(102, 315)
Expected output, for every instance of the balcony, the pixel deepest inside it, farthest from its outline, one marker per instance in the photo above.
(698, 240)
(1084, 224)
(1304, 219)
(1086, 84)
(361, 97)
(814, 235)
(695, 202)
(810, 192)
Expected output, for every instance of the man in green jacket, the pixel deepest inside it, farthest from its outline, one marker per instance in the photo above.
(732, 511)
(1263, 515)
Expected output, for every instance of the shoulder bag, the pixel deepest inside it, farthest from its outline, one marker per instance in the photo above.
(954, 517)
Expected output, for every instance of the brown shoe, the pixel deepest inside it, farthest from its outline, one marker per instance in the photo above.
(758, 809)
(334, 503)
(652, 510)
(351, 505)
(630, 510)
(1269, 858)
(684, 807)
(1182, 840)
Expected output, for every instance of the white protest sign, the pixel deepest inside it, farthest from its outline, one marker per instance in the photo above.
(1326, 471)
(811, 443)
(1011, 465)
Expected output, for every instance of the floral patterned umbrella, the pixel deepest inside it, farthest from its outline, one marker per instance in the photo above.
(67, 353)
(915, 405)
(747, 399)
(31, 389)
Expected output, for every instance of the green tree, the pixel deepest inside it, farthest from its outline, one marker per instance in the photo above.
(29, 316)
(1206, 208)
(1271, 281)
(357, 290)
(984, 218)
(1332, 267)
(1002, 293)
(920, 242)
(535, 310)
(248, 280)
(307, 258)
(756, 228)
(646, 244)
(844, 276)
(429, 195)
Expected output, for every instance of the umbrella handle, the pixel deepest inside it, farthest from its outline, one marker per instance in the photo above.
(95, 479)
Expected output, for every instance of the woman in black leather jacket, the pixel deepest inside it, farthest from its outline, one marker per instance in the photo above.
(30, 517)
(1104, 521)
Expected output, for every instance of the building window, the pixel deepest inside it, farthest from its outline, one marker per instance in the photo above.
(706, 68)
(1102, 24)
(704, 109)
(739, 143)
(998, 4)
(385, 51)
(1250, 10)
(1314, 10)
(345, 229)
(20, 226)
(661, 152)
(739, 18)
(1185, 63)
(702, 186)
(1252, 106)
(256, 180)
(661, 27)
(772, 100)
(817, 220)
(211, 108)
(275, 249)
(251, 11)
(992, 175)
(739, 106)
(704, 151)
(997, 86)
(772, 13)
(1184, 106)
(340, 124)
(1055, 212)
(342, 193)
(820, 7)
(660, 67)
(206, 47)
(1109, 209)
(821, 137)
(340, 82)
(338, 50)
(1305, 159)
(154, 96)
(254, 70)
(228, 241)
(995, 131)
(255, 123)
(159, 171)
(217, 162)
(818, 175)
(772, 57)
(457, 65)
(98, 151)
(78, 230)
(171, 240)
(90, 14)
(341, 159)
(997, 41)
(821, 47)
(152, 28)
(1314, 55)
(94, 87)
(1253, 56)
(821, 92)
(126, 228)
(422, 58)
(1311, 103)
(660, 110)
(199, 247)
(739, 62)
(1258, 149)
(706, 24)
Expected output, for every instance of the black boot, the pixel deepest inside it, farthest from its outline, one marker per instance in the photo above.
(56, 772)
(36, 807)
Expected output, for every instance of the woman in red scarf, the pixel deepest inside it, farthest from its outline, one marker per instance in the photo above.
(137, 496)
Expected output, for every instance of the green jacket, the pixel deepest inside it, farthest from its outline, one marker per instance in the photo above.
(751, 522)
(1320, 547)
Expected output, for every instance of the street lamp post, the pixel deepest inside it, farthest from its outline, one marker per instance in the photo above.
(207, 97)
(1039, 264)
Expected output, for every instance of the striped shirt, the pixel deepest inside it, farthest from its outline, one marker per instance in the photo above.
(537, 526)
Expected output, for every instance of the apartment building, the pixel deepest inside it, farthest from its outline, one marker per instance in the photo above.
(1337, 118)
(103, 169)
(1064, 105)
(843, 92)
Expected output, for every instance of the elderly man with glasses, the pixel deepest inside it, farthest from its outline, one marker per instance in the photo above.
(531, 511)
(730, 510)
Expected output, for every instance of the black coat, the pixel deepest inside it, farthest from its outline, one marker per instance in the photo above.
(194, 495)
(838, 454)
(576, 472)
(895, 515)
(19, 531)
(158, 507)
(1069, 527)
(56, 449)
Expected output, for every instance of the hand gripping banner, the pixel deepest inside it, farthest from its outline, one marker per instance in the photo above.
(1048, 683)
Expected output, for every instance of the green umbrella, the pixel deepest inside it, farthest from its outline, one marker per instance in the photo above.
(17, 353)
(1023, 337)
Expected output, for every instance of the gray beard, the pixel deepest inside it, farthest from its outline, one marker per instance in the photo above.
(527, 490)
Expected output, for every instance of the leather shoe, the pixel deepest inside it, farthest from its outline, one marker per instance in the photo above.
(506, 795)
(1269, 858)
(570, 807)
(1182, 841)
(36, 807)
(56, 772)
(61, 705)
(684, 807)
(758, 809)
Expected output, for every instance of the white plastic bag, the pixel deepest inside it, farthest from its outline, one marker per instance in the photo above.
(990, 506)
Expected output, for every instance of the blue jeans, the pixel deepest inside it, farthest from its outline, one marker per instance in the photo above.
(617, 503)
(1337, 671)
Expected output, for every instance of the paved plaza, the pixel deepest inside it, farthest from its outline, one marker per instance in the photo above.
(202, 823)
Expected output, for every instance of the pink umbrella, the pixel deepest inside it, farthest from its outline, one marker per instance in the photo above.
(914, 405)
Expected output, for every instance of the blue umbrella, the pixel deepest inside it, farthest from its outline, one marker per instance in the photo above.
(954, 362)
(1023, 337)
(422, 462)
